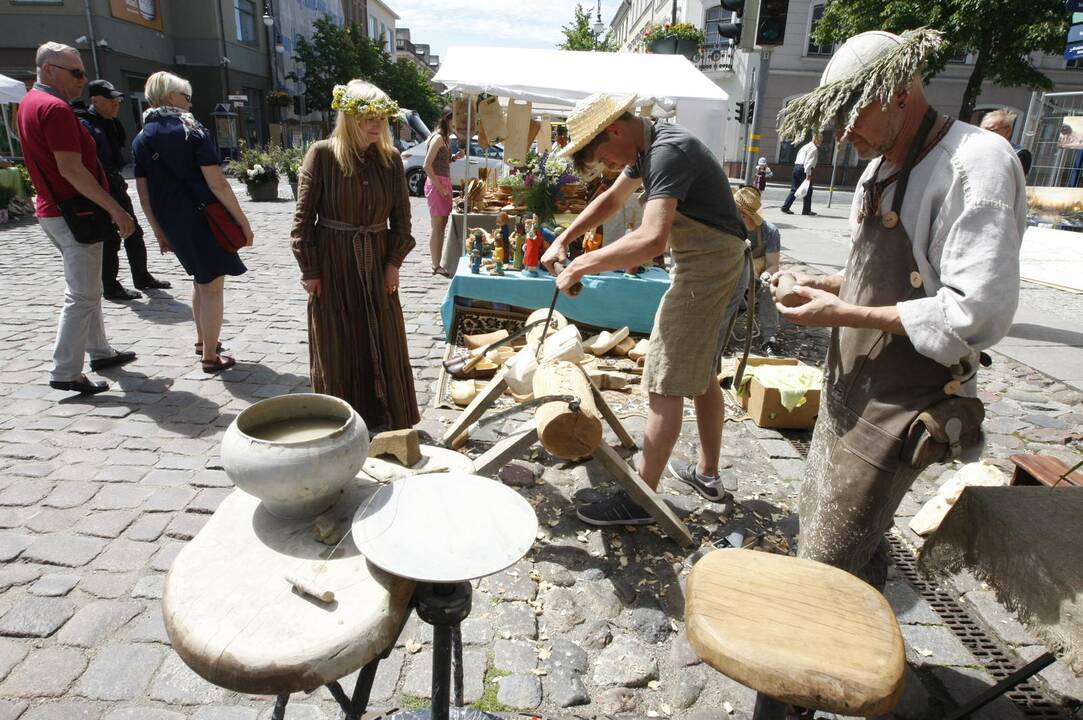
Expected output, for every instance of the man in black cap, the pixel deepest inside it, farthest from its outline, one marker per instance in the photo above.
(108, 133)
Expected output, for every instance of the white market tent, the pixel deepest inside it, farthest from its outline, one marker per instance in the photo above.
(561, 77)
(11, 91)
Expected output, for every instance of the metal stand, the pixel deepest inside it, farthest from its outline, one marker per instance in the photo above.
(769, 709)
(444, 606)
(1039, 663)
(352, 708)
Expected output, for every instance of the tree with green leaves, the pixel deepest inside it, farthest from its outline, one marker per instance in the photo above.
(1000, 34)
(579, 36)
(335, 55)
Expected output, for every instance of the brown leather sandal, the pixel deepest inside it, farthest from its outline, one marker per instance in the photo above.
(224, 362)
(199, 348)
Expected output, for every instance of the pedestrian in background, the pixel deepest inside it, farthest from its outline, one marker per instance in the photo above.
(63, 163)
(176, 170)
(108, 133)
(1002, 122)
(351, 234)
(803, 166)
(763, 174)
(438, 161)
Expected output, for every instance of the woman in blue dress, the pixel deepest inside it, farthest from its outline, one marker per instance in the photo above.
(176, 170)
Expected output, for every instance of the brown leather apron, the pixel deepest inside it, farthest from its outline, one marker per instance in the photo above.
(876, 384)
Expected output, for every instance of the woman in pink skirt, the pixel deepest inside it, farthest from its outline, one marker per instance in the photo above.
(438, 187)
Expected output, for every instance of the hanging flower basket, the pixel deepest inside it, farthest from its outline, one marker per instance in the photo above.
(669, 39)
(279, 98)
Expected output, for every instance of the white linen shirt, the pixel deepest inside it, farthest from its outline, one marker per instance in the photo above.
(808, 156)
(965, 212)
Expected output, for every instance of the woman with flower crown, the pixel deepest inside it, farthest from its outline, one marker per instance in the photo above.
(351, 233)
(176, 171)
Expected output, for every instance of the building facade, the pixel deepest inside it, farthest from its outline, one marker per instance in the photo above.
(381, 24)
(417, 53)
(795, 68)
(233, 52)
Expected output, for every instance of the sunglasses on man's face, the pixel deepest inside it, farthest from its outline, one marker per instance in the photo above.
(76, 73)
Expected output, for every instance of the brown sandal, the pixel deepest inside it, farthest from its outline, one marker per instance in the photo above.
(224, 362)
(199, 348)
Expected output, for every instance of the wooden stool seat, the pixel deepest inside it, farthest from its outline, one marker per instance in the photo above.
(235, 620)
(798, 631)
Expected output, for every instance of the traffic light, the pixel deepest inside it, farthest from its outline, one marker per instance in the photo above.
(771, 23)
(751, 112)
(742, 32)
(740, 112)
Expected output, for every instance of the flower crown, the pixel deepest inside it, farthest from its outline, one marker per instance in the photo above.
(341, 101)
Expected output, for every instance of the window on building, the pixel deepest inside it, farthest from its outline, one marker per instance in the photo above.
(1073, 65)
(959, 57)
(812, 48)
(714, 15)
(245, 15)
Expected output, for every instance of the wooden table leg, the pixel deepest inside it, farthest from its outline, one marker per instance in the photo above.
(510, 447)
(641, 493)
(614, 421)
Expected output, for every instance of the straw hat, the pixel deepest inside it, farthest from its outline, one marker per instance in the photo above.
(748, 201)
(592, 115)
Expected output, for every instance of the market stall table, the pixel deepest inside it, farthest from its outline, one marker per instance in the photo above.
(608, 300)
(453, 245)
(1024, 542)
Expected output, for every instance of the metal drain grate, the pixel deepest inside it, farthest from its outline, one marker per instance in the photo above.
(1027, 697)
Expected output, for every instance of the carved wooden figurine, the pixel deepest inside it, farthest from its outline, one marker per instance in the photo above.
(476, 251)
(532, 249)
(517, 241)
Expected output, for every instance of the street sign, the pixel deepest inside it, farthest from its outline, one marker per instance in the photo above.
(1075, 34)
(1074, 51)
(239, 98)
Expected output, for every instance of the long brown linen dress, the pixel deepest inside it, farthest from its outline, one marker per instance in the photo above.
(341, 236)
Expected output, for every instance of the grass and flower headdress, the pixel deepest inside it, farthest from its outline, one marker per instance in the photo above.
(342, 101)
(868, 67)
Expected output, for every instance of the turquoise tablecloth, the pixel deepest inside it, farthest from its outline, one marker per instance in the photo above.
(609, 300)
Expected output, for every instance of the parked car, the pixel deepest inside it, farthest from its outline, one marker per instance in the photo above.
(413, 160)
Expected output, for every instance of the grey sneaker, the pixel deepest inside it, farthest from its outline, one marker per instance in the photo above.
(709, 487)
(617, 509)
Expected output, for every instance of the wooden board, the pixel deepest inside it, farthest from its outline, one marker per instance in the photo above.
(614, 421)
(444, 527)
(510, 447)
(796, 630)
(1043, 470)
(457, 435)
(235, 620)
(646, 498)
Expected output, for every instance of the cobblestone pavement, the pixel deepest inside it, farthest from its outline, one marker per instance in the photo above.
(98, 495)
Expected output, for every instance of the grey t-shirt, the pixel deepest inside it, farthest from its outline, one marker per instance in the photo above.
(678, 165)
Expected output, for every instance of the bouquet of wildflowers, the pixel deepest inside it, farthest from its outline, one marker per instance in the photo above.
(544, 177)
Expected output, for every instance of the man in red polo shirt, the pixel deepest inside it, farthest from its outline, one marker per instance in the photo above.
(63, 162)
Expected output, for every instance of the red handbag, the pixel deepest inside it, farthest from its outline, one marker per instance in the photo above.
(226, 231)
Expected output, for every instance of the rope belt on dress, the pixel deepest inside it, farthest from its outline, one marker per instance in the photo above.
(365, 256)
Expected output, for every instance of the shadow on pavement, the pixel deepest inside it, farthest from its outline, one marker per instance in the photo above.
(178, 410)
(1056, 336)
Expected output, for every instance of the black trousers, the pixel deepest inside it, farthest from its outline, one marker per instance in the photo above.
(134, 246)
(798, 178)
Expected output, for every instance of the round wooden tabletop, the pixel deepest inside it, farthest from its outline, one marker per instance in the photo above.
(444, 527)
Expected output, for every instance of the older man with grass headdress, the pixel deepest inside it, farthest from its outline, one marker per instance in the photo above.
(932, 279)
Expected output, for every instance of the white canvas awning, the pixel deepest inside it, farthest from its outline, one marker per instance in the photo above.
(11, 90)
(560, 78)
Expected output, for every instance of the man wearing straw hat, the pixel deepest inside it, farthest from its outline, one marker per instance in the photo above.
(932, 278)
(766, 241)
(687, 206)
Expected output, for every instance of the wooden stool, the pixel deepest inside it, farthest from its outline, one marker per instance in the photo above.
(1044, 470)
(235, 619)
(799, 632)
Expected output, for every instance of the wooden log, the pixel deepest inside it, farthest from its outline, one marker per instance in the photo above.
(564, 433)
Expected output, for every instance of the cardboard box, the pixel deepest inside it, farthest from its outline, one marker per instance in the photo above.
(764, 404)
